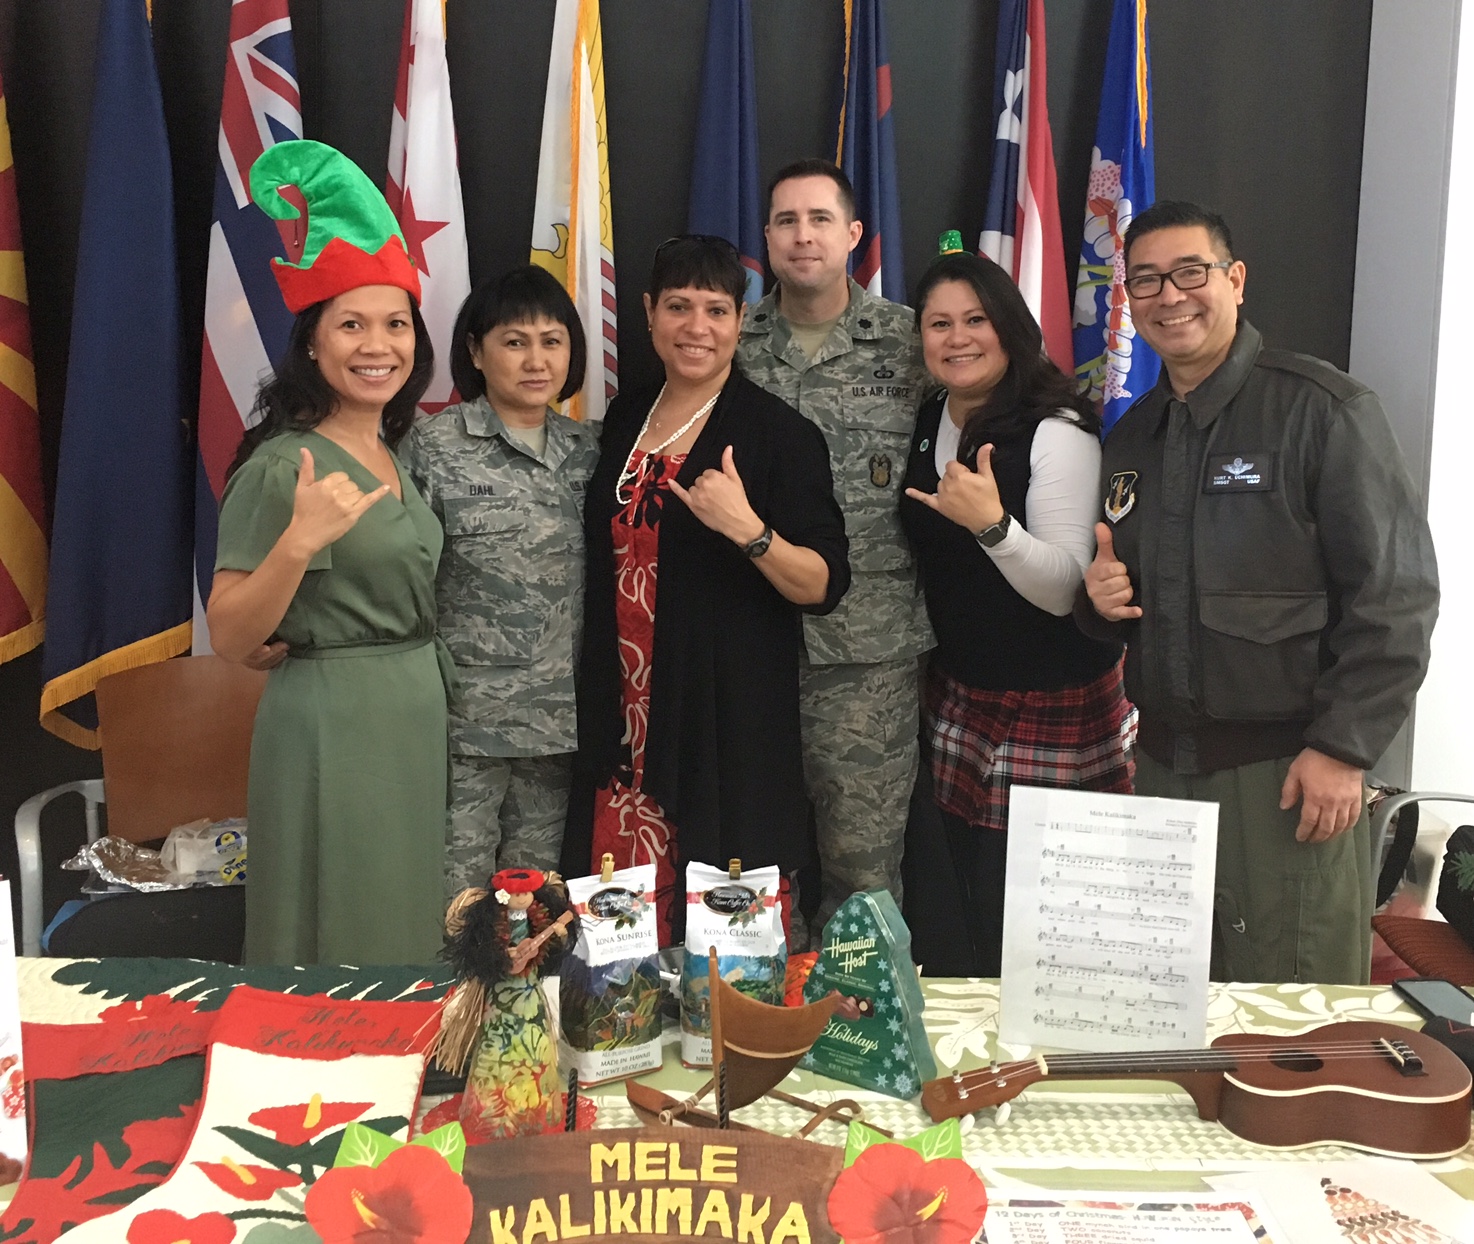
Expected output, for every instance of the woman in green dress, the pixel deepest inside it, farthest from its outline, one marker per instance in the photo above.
(326, 566)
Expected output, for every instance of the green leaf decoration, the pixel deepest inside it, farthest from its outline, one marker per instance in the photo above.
(941, 1141)
(281, 1233)
(362, 1146)
(449, 1142)
(268, 1148)
(324, 1150)
(1464, 870)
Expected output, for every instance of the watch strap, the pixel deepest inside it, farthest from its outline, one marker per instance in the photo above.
(756, 548)
(992, 537)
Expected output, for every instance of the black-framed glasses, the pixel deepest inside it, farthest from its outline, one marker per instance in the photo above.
(1189, 276)
(706, 239)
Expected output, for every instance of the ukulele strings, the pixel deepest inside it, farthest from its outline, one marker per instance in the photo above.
(1107, 1065)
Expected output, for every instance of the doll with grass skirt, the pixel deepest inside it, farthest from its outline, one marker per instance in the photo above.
(500, 941)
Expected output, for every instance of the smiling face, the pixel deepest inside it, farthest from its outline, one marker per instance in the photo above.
(365, 345)
(810, 234)
(959, 343)
(525, 366)
(694, 331)
(1191, 329)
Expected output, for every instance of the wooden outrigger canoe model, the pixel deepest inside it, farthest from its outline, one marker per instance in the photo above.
(754, 1045)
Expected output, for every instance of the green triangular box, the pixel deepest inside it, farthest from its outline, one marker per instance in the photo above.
(867, 956)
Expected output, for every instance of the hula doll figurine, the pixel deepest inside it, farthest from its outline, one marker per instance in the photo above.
(500, 941)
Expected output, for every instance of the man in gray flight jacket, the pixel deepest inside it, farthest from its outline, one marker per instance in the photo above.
(1267, 561)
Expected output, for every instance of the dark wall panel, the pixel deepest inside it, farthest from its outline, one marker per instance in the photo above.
(1259, 108)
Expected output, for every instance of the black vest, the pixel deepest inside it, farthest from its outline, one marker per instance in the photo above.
(988, 636)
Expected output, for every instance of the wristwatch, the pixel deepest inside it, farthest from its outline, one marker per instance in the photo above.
(756, 548)
(991, 537)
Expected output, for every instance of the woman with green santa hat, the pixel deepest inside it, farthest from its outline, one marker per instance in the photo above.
(327, 557)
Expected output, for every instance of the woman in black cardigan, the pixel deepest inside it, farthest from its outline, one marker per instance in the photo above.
(721, 494)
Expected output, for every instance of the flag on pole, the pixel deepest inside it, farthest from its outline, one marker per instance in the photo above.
(118, 594)
(1113, 365)
(1021, 226)
(246, 322)
(22, 498)
(424, 185)
(867, 151)
(572, 229)
(725, 199)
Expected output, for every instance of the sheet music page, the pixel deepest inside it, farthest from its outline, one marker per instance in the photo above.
(1107, 920)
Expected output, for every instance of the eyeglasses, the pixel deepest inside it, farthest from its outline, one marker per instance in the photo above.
(1189, 276)
(706, 239)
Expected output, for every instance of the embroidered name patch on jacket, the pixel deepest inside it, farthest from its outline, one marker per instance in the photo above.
(1235, 472)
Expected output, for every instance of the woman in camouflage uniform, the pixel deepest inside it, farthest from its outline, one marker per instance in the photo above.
(506, 474)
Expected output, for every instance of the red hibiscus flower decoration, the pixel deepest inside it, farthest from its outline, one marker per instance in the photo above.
(164, 1226)
(296, 1125)
(248, 1183)
(892, 1195)
(412, 1197)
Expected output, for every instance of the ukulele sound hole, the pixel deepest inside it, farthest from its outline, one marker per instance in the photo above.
(1296, 1060)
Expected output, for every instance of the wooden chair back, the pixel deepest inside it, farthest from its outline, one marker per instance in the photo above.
(176, 743)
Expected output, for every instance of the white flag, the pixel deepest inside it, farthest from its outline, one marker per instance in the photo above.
(572, 232)
(424, 186)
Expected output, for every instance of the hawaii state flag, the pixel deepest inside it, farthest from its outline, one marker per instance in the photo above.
(867, 151)
(1021, 225)
(725, 198)
(118, 594)
(1115, 366)
(22, 497)
(424, 185)
(246, 322)
(572, 228)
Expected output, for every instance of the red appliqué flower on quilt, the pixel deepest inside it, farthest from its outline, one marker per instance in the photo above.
(164, 1226)
(296, 1125)
(411, 1197)
(246, 1182)
(892, 1195)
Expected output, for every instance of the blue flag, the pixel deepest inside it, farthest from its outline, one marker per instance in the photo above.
(1113, 365)
(725, 198)
(867, 152)
(119, 585)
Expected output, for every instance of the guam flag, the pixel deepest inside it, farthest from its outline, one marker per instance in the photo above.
(725, 200)
(118, 594)
(867, 150)
(246, 322)
(1113, 365)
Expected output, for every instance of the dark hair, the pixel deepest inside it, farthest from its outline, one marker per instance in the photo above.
(520, 296)
(1033, 388)
(298, 396)
(1174, 214)
(815, 168)
(698, 261)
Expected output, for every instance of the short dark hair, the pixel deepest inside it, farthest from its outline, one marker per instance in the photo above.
(297, 396)
(698, 261)
(1033, 388)
(1175, 214)
(815, 168)
(520, 296)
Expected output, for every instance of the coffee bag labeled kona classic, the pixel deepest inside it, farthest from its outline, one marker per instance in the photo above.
(609, 989)
(737, 914)
(867, 956)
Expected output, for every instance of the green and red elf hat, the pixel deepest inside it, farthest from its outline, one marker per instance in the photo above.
(352, 237)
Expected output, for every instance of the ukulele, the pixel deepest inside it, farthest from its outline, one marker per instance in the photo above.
(1373, 1086)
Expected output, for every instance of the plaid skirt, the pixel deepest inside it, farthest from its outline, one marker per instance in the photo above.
(981, 742)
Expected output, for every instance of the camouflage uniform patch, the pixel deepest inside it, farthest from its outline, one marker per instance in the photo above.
(510, 586)
(505, 812)
(859, 693)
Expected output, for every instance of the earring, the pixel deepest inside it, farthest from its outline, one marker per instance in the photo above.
(312, 354)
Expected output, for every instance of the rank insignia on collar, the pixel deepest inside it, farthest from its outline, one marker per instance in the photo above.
(880, 470)
(1120, 495)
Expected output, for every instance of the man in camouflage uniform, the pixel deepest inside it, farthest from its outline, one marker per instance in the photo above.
(510, 598)
(850, 362)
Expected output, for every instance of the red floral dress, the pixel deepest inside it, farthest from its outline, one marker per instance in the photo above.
(627, 823)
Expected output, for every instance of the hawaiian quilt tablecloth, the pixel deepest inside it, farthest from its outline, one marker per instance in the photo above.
(115, 1063)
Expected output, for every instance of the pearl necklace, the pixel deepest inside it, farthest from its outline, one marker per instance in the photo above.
(630, 474)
